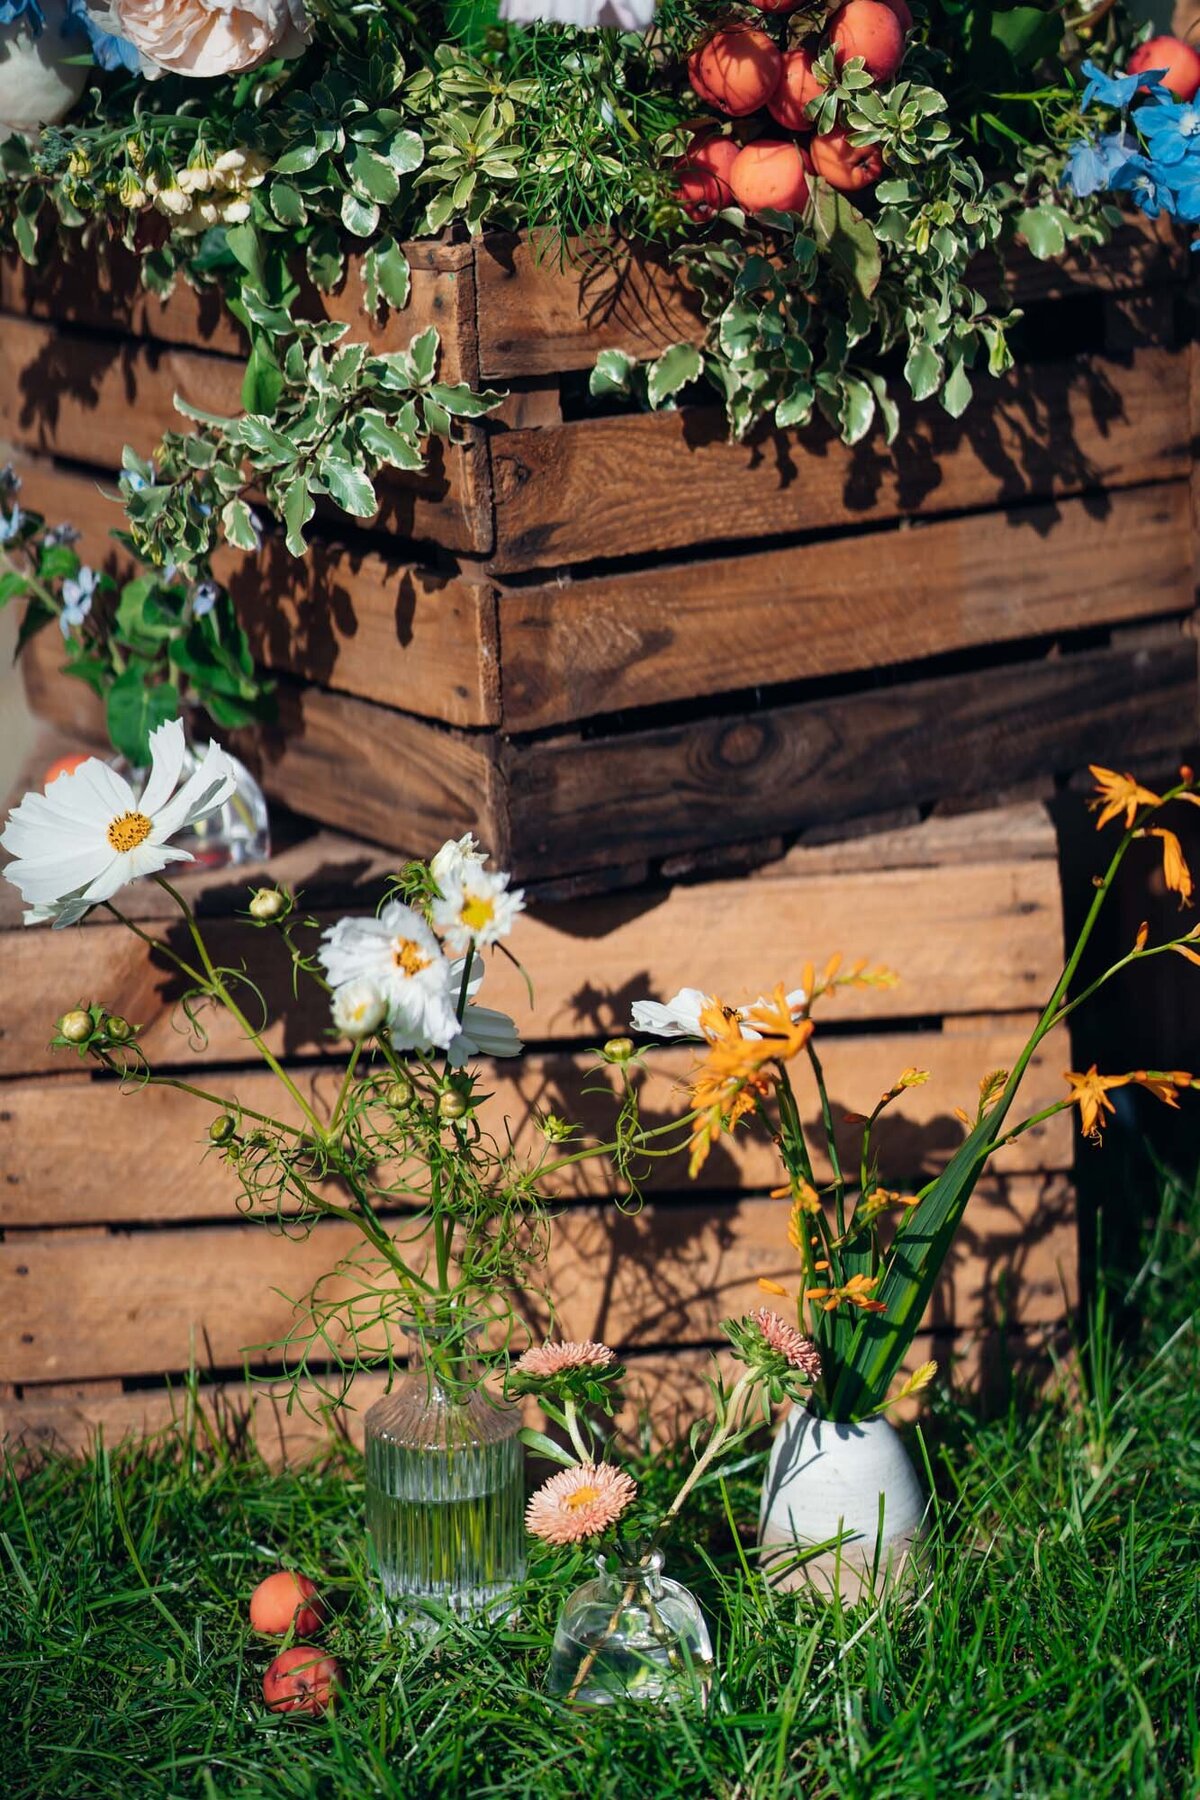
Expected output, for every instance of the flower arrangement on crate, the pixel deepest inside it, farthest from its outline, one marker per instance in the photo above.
(822, 176)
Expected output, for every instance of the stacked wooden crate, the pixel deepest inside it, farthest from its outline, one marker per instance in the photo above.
(609, 641)
(125, 1263)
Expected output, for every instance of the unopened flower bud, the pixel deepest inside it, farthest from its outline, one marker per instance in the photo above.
(76, 1026)
(117, 1028)
(619, 1049)
(452, 1105)
(267, 904)
(400, 1093)
(221, 1129)
(554, 1129)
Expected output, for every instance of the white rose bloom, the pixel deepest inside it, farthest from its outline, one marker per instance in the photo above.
(400, 956)
(456, 858)
(205, 38)
(476, 907)
(358, 1008)
(614, 15)
(89, 835)
(680, 1016)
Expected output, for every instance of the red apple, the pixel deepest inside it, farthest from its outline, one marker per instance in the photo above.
(736, 70)
(301, 1680)
(797, 86)
(869, 29)
(902, 13)
(845, 165)
(770, 175)
(710, 151)
(284, 1600)
(1180, 61)
(699, 193)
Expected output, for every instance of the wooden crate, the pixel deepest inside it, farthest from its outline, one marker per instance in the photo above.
(124, 1260)
(609, 642)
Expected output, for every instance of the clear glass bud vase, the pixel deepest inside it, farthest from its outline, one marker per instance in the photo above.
(445, 1486)
(237, 832)
(631, 1635)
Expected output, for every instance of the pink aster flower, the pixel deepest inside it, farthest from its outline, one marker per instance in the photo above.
(578, 1502)
(547, 1360)
(787, 1342)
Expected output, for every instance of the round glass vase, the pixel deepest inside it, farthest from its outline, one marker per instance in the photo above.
(631, 1634)
(237, 832)
(445, 1486)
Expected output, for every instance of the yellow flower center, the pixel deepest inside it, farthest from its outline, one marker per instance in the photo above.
(477, 911)
(129, 830)
(407, 956)
(583, 1496)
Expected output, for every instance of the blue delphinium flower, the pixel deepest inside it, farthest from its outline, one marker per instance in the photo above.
(204, 599)
(1092, 165)
(77, 592)
(1184, 179)
(1171, 130)
(28, 10)
(10, 526)
(108, 50)
(1145, 184)
(1115, 90)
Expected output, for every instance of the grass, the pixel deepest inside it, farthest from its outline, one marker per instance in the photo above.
(1051, 1648)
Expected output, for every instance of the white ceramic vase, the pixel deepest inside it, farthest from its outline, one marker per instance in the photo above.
(38, 83)
(851, 1487)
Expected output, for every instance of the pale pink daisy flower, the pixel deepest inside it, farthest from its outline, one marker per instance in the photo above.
(579, 1502)
(787, 1342)
(547, 1360)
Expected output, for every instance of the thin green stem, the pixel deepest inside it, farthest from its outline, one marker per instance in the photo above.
(839, 1180)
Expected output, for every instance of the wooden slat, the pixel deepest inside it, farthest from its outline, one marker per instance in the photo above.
(577, 649)
(106, 293)
(83, 1305)
(384, 775)
(536, 317)
(987, 939)
(635, 484)
(347, 618)
(56, 1177)
(85, 398)
(785, 768)
(666, 1387)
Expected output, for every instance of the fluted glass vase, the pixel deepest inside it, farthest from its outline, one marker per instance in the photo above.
(445, 1486)
(631, 1634)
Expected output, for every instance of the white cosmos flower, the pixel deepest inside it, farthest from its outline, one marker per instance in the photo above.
(680, 1016)
(358, 1008)
(88, 835)
(484, 1030)
(403, 960)
(476, 906)
(457, 858)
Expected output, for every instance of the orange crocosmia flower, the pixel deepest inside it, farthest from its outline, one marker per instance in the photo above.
(855, 1292)
(1117, 794)
(1176, 873)
(782, 1037)
(773, 1287)
(1090, 1092)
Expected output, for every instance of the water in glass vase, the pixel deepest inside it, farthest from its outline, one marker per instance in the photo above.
(631, 1635)
(445, 1498)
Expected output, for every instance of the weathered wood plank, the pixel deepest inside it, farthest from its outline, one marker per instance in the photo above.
(642, 483)
(536, 316)
(76, 1305)
(667, 1387)
(64, 1140)
(784, 768)
(85, 398)
(985, 938)
(381, 628)
(573, 650)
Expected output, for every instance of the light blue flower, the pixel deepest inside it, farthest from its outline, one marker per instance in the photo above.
(134, 481)
(1092, 165)
(108, 50)
(1145, 185)
(1184, 180)
(1115, 90)
(77, 592)
(10, 481)
(204, 599)
(1171, 130)
(63, 534)
(29, 10)
(10, 526)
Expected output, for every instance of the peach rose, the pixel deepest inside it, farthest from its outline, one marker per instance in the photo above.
(211, 37)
